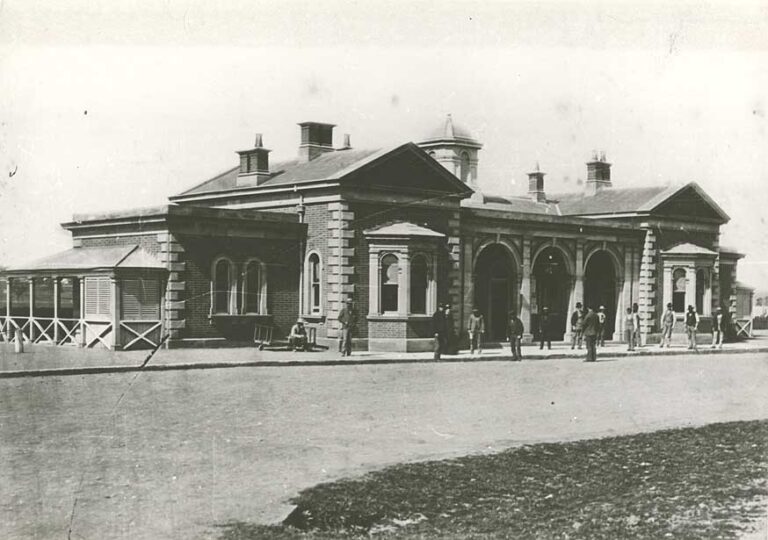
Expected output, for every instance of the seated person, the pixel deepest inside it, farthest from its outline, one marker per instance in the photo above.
(297, 340)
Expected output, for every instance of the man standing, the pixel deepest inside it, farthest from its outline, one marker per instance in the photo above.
(718, 329)
(515, 336)
(667, 323)
(601, 327)
(438, 328)
(636, 323)
(591, 328)
(347, 323)
(297, 340)
(544, 331)
(691, 325)
(450, 335)
(577, 325)
(476, 328)
(629, 330)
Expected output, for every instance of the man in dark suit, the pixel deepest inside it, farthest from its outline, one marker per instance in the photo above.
(544, 328)
(438, 328)
(515, 335)
(591, 328)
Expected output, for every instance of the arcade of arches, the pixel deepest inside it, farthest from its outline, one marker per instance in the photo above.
(498, 290)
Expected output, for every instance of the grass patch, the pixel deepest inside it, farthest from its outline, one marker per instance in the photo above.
(692, 483)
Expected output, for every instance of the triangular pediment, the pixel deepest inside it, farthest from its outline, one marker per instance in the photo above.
(406, 168)
(688, 202)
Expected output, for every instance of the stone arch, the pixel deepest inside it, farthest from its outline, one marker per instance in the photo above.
(602, 286)
(496, 286)
(618, 264)
(567, 257)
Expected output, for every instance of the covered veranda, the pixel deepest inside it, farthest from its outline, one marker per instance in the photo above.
(89, 297)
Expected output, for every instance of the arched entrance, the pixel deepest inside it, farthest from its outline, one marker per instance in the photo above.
(551, 287)
(600, 288)
(495, 289)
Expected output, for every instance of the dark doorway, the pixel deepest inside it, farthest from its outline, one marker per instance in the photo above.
(495, 289)
(552, 290)
(600, 288)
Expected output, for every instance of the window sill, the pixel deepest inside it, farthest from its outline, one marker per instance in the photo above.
(398, 317)
(316, 318)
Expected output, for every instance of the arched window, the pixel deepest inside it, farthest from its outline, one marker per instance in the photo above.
(254, 287)
(464, 170)
(390, 281)
(222, 286)
(419, 284)
(313, 289)
(678, 290)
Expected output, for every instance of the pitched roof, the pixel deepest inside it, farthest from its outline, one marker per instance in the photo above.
(607, 201)
(524, 205)
(323, 167)
(91, 258)
(403, 228)
(689, 249)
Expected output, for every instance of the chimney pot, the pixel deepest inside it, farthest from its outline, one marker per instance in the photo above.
(536, 185)
(258, 143)
(347, 141)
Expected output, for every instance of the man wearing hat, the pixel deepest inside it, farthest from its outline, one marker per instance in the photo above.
(601, 327)
(297, 340)
(515, 330)
(438, 328)
(346, 323)
(476, 328)
(667, 323)
(718, 329)
(451, 341)
(544, 328)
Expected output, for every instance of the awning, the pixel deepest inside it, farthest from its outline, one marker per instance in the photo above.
(92, 258)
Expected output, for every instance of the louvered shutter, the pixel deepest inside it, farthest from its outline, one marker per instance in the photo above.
(98, 297)
(140, 299)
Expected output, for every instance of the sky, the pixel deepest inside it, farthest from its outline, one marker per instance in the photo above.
(114, 105)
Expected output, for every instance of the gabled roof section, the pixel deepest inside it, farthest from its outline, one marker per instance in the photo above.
(683, 200)
(402, 229)
(606, 201)
(524, 205)
(92, 258)
(689, 249)
(405, 166)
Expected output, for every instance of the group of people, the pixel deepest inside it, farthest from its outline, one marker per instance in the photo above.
(446, 340)
(579, 330)
(587, 326)
(298, 339)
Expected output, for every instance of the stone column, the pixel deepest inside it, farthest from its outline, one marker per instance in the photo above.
(577, 287)
(525, 291)
(373, 283)
(404, 285)
(454, 264)
(690, 286)
(339, 269)
(667, 286)
(174, 309)
(647, 286)
(627, 293)
(468, 277)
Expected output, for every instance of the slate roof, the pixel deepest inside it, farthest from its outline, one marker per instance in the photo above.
(91, 258)
(607, 201)
(403, 228)
(327, 166)
(523, 205)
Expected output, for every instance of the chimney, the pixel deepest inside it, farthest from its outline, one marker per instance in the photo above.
(598, 174)
(347, 142)
(316, 139)
(536, 185)
(254, 164)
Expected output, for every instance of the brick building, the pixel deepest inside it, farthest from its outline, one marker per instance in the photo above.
(397, 230)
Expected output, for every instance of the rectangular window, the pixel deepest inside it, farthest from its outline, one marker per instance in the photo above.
(140, 299)
(43, 306)
(98, 297)
(69, 298)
